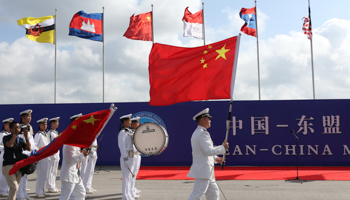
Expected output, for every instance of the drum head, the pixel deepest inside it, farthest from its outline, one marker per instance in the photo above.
(150, 139)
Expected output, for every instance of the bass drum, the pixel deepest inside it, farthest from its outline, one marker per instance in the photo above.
(150, 139)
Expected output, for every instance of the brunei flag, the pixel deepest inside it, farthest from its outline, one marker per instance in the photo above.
(40, 29)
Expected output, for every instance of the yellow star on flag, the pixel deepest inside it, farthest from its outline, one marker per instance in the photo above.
(91, 120)
(202, 61)
(148, 18)
(222, 52)
(74, 126)
(209, 47)
(205, 65)
(205, 52)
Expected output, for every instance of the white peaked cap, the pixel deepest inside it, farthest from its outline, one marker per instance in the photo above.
(135, 119)
(42, 120)
(26, 112)
(126, 116)
(203, 113)
(54, 119)
(76, 116)
(8, 120)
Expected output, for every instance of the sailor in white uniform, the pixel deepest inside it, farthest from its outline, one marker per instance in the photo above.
(54, 159)
(88, 168)
(72, 186)
(4, 188)
(135, 122)
(204, 156)
(41, 139)
(26, 118)
(126, 156)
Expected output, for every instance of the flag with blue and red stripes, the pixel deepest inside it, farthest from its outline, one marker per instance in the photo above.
(248, 15)
(88, 26)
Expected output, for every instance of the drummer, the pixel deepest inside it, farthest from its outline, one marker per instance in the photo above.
(126, 156)
(137, 158)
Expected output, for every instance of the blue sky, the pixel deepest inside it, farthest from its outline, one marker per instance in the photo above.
(27, 66)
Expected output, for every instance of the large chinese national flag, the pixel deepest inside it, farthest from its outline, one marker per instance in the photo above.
(180, 74)
(81, 133)
(140, 27)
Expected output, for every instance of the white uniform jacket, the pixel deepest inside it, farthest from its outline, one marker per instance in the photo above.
(203, 154)
(52, 134)
(41, 139)
(69, 171)
(125, 143)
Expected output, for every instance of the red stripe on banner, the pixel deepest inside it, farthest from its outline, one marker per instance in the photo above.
(90, 24)
(246, 11)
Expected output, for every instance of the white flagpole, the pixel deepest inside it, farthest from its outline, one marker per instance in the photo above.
(257, 47)
(55, 38)
(152, 25)
(203, 23)
(312, 56)
(103, 54)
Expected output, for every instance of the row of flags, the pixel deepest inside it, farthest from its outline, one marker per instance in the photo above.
(90, 26)
(176, 74)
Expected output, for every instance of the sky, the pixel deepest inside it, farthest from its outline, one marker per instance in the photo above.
(27, 67)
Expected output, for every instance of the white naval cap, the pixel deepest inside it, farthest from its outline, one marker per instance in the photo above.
(42, 120)
(54, 119)
(135, 119)
(8, 120)
(203, 113)
(76, 116)
(26, 112)
(126, 116)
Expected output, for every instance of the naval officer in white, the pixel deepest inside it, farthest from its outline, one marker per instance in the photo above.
(126, 156)
(204, 158)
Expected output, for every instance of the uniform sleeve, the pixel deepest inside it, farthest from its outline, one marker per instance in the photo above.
(37, 139)
(207, 146)
(71, 156)
(121, 143)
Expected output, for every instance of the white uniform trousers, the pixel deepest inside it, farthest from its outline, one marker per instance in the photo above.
(41, 175)
(83, 167)
(22, 193)
(4, 188)
(68, 188)
(52, 173)
(127, 179)
(89, 171)
(137, 163)
(207, 187)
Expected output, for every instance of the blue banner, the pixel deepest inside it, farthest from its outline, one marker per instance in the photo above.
(260, 133)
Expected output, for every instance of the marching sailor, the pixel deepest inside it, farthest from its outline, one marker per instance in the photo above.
(4, 188)
(72, 186)
(54, 159)
(88, 168)
(26, 118)
(126, 156)
(135, 122)
(41, 139)
(204, 156)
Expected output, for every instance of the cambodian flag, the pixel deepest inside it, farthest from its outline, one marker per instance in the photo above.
(248, 15)
(88, 26)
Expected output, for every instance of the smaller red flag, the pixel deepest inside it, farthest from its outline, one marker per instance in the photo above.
(140, 27)
(81, 133)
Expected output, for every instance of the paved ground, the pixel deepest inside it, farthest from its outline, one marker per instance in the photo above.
(108, 184)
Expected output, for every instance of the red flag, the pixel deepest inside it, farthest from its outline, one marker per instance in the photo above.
(81, 133)
(180, 74)
(140, 27)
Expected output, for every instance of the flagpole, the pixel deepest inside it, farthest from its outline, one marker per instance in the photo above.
(55, 38)
(203, 23)
(152, 25)
(103, 55)
(312, 56)
(257, 47)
